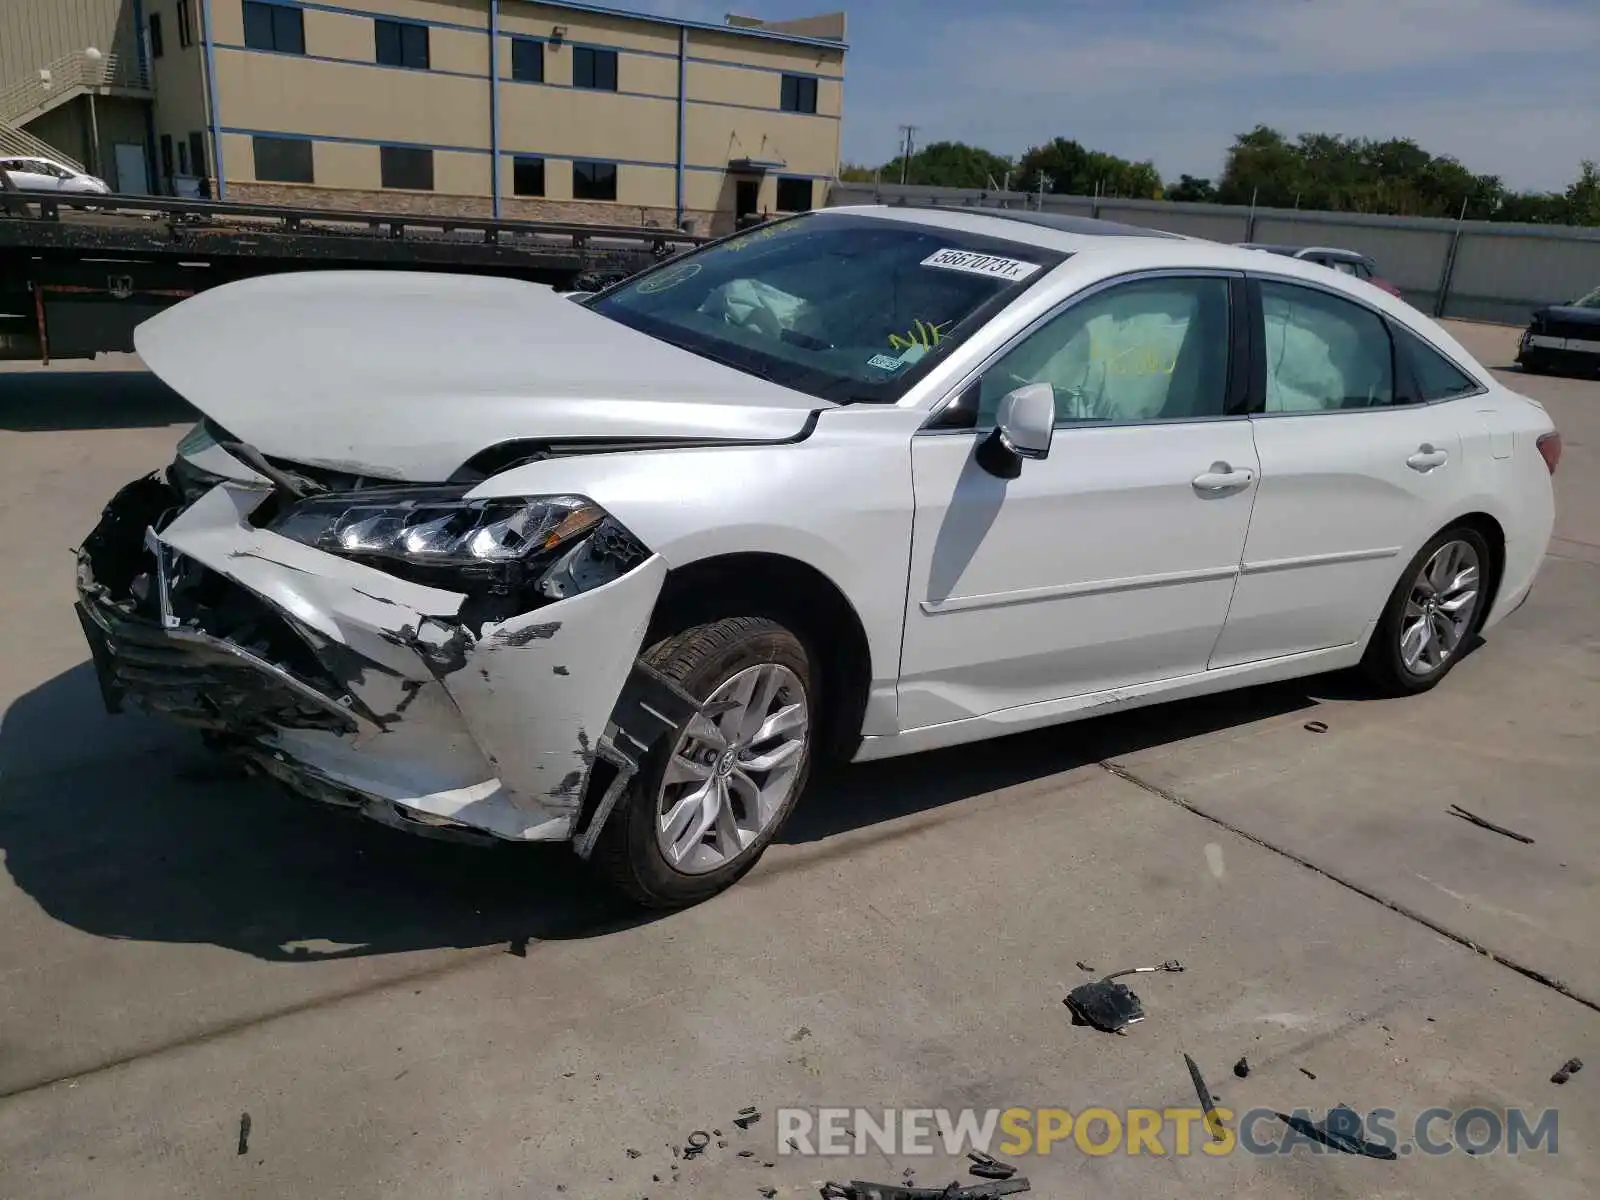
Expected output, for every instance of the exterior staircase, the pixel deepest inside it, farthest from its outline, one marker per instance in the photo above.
(16, 142)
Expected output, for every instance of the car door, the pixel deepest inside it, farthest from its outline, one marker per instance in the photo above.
(25, 174)
(1355, 474)
(1111, 561)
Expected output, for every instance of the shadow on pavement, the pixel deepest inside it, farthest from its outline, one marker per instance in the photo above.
(32, 401)
(127, 828)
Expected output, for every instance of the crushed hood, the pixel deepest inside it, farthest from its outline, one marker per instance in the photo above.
(407, 375)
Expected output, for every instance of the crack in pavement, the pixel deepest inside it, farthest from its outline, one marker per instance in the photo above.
(1394, 906)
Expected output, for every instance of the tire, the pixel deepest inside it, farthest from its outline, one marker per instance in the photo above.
(1386, 659)
(633, 852)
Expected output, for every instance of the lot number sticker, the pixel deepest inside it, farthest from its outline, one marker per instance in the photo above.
(992, 265)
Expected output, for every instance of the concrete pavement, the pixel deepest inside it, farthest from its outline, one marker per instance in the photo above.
(403, 1018)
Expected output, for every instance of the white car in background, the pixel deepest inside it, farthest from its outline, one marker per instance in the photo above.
(31, 174)
(482, 561)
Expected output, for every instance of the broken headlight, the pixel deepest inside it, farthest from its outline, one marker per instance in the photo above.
(511, 554)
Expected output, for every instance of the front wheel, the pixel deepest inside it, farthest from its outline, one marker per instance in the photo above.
(1433, 613)
(709, 798)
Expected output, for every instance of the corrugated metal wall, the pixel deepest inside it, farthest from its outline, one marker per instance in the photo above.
(1495, 272)
(36, 33)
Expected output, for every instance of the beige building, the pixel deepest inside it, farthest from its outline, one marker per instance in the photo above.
(570, 111)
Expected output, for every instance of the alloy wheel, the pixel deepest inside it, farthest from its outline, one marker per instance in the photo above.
(1441, 607)
(733, 768)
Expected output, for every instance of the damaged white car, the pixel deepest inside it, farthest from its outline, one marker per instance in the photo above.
(483, 561)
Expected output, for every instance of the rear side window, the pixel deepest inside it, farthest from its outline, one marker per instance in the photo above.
(1436, 376)
(1323, 353)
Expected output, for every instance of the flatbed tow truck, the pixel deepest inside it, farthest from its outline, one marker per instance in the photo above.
(79, 271)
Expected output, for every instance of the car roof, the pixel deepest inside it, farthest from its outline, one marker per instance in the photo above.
(1051, 231)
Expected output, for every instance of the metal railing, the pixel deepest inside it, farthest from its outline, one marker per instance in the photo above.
(16, 142)
(63, 79)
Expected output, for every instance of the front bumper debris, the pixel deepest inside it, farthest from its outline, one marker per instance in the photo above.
(349, 685)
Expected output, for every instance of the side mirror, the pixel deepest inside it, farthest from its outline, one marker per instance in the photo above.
(1024, 424)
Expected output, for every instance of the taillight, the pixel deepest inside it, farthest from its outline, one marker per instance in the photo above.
(1550, 450)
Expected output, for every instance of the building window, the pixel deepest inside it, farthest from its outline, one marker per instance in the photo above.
(794, 195)
(275, 27)
(402, 44)
(183, 158)
(409, 167)
(185, 24)
(527, 61)
(158, 45)
(527, 176)
(596, 69)
(282, 160)
(594, 180)
(799, 94)
(166, 156)
(197, 153)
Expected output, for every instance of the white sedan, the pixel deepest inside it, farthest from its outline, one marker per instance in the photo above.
(31, 174)
(485, 562)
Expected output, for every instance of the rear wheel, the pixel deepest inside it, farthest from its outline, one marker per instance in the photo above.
(710, 798)
(1433, 614)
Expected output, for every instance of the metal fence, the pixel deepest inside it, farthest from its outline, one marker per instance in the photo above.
(1476, 270)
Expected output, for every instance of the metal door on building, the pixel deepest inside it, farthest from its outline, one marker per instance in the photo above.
(132, 169)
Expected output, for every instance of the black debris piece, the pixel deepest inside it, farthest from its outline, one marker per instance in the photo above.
(1308, 1074)
(655, 1179)
(1342, 1131)
(722, 1143)
(1242, 1067)
(768, 1165)
(1111, 1006)
(986, 1166)
(768, 1192)
(1455, 810)
(1208, 1106)
(858, 1189)
(747, 1117)
(747, 1154)
(244, 1133)
(716, 1133)
(518, 947)
(1083, 966)
(1317, 726)
(696, 1144)
(632, 1153)
(1568, 1069)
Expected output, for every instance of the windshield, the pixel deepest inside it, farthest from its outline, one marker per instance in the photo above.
(1592, 300)
(839, 306)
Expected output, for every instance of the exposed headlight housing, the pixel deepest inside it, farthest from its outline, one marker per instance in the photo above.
(509, 555)
(432, 529)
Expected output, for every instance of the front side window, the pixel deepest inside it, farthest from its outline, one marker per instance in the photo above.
(594, 69)
(1592, 300)
(1149, 350)
(843, 307)
(1323, 353)
(401, 44)
(275, 27)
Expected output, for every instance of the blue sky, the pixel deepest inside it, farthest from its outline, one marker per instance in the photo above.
(1506, 86)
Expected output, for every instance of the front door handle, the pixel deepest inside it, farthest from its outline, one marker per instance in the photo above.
(1220, 479)
(1427, 458)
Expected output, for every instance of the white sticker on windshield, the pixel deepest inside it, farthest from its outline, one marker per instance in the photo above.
(885, 362)
(973, 263)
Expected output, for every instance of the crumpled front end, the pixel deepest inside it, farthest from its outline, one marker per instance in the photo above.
(352, 684)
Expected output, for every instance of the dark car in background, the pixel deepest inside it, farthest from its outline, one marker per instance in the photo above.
(1346, 262)
(1563, 337)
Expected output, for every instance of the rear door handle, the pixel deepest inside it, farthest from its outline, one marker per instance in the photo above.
(1222, 478)
(1427, 458)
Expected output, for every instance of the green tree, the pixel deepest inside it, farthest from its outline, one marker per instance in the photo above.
(1190, 189)
(1583, 197)
(1069, 169)
(951, 164)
